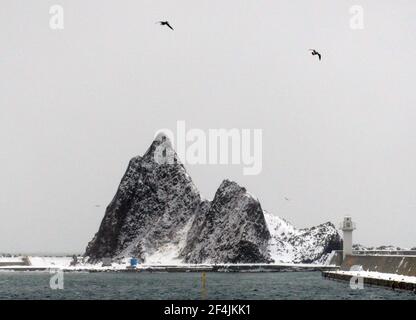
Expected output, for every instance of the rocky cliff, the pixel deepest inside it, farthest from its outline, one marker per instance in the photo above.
(157, 215)
(230, 229)
(153, 205)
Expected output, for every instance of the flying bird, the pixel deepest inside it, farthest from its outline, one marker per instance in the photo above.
(314, 52)
(165, 23)
(287, 199)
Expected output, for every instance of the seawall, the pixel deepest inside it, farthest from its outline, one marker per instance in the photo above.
(389, 283)
(387, 270)
(403, 265)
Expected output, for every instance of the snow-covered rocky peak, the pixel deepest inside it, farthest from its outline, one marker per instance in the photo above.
(230, 229)
(152, 206)
(161, 151)
(157, 215)
(308, 245)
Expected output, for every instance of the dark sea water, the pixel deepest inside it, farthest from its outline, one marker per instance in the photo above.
(144, 285)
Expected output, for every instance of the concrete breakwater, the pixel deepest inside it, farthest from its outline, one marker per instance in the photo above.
(391, 270)
(403, 265)
(389, 283)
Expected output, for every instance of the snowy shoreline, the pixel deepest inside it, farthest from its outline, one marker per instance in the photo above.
(64, 263)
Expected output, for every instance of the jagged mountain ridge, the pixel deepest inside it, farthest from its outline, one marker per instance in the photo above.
(308, 245)
(157, 215)
(230, 229)
(153, 204)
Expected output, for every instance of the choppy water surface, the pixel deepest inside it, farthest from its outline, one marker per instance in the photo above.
(144, 285)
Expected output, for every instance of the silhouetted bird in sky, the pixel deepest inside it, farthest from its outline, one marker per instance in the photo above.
(287, 199)
(314, 52)
(165, 23)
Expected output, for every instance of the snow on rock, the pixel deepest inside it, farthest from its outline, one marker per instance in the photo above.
(157, 215)
(309, 245)
(169, 253)
(230, 229)
(152, 206)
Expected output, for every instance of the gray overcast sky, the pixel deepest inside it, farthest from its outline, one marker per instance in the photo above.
(76, 104)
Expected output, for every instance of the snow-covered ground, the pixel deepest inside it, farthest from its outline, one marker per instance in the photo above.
(50, 262)
(60, 262)
(378, 275)
(64, 262)
(279, 228)
(11, 259)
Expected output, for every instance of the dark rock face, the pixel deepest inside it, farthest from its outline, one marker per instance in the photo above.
(230, 229)
(158, 212)
(153, 204)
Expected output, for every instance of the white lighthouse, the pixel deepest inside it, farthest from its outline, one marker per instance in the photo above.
(347, 227)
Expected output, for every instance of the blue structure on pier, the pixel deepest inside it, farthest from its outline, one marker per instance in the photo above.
(134, 262)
